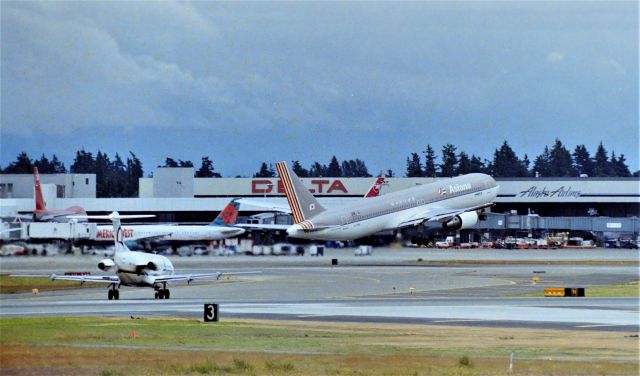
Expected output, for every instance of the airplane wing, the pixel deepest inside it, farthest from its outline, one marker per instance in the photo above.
(264, 226)
(437, 215)
(267, 205)
(193, 277)
(79, 278)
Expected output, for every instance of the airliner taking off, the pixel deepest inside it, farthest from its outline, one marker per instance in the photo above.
(455, 203)
(132, 268)
(42, 214)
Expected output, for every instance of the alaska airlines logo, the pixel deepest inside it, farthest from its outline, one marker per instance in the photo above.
(456, 188)
(534, 192)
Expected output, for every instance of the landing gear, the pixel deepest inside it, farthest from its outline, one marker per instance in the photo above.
(163, 293)
(113, 293)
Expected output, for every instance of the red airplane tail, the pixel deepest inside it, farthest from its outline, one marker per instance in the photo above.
(40, 204)
(375, 188)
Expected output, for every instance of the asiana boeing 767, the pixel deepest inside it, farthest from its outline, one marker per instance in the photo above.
(456, 203)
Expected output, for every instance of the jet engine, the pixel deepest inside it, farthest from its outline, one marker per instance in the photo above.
(461, 221)
(106, 264)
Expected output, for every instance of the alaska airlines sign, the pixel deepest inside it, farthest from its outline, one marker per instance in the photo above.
(320, 186)
(562, 192)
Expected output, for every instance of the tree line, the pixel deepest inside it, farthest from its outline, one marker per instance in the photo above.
(352, 168)
(556, 161)
(119, 178)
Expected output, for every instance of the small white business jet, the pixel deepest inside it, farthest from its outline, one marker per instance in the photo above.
(137, 269)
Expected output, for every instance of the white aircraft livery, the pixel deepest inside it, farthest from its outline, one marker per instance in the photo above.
(455, 203)
(132, 268)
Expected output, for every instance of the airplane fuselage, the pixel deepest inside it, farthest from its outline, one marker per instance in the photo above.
(130, 268)
(170, 233)
(386, 212)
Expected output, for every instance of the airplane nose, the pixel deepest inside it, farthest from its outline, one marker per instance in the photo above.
(293, 230)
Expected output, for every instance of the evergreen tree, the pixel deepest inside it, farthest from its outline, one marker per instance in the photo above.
(134, 173)
(206, 169)
(541, 166)
(582, 162)
(117, 178)
(620, 167)
(298, 169)
(354, 169)
(265, 171)
(525, 164)
(317, 170)
(347, 168)
(185, 163)
(449, 161)
(506, 163)
(170, 162)
(58, 167)
(464, 164)
(602, 166)
(389, 174)
(560, 163)
(43, 165)
(477, 165)
(430, 162)
(333, 169)
(83, 163)
(414, 166)
(102, 170)
(22, 165)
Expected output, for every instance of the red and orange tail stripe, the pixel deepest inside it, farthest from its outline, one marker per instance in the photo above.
(306, 225)
(290, 192)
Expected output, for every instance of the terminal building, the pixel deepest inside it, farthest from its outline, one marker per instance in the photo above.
(174, 195)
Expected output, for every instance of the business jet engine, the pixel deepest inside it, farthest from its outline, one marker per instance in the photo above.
(106, 264)
(461, 221)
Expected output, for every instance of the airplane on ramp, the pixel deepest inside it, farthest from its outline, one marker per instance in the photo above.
(137, 269)
(455, 203)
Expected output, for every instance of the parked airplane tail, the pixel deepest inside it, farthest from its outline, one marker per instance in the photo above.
(303, 204)
(227, 217)
(374, 191)
(40, 204)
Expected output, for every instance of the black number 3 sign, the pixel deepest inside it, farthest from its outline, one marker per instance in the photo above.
(210, 312)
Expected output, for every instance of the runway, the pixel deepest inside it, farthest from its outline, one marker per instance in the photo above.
(390, 287)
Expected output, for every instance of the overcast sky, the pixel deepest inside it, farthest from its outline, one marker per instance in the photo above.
(250, 82)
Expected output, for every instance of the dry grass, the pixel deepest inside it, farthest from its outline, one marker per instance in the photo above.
(174, 347)
(12, 285)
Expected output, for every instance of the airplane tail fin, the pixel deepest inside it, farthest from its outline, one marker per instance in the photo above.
(40, 204)
(303, 205)
(115, 218)
(228, 215)
(374, 191)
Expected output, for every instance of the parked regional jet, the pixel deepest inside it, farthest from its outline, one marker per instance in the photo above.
(41, 214)
(222, 227)
(454, 203)
(132, 268)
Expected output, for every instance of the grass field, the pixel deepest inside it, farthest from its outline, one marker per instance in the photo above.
(105, 346)
(11, 285)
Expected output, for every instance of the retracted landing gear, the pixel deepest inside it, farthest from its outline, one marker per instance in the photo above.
(113, 293)
(162, 293)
